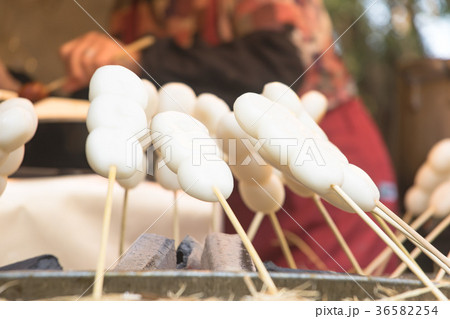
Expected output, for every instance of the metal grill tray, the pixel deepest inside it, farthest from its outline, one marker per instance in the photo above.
(31, 285)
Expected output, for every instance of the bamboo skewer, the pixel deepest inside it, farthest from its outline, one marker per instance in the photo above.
(399, 228)
(416, 270)
(386, 253)
(99, 274)
(254, 225)
(412, 293)
(391, 235)
(176, 220)
(382, 267)
(423, 218)
(430, 254)
(407, 218)
(123, 223)
(215, 218)
(282, 239)
(137, 45)
(394, 238)
(413, 233)
(263, 273)
(55, 84)
(305, 249)
(338, 235)
(441, 273)
(431, 236)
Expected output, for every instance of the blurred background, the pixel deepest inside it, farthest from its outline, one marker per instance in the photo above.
(398, 52)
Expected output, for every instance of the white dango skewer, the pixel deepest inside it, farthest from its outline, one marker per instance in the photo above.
(110, 145)
(302, 191)
(129, 183)
(439, 156)
(172, 136)
(365, 194)
(244, 161)
(365, 202)
(175, 96)
(315, 103)
(18, 124)
(185, 145)
(316, 177)
(165, 177)
(429, 175)
(358, 186)
(437, 256)
(296, 187)
(116, 111)
(259, 187)
(169, 180)
(209, 109)
(208, 180)
(417, 198)
(119, 112)
(12, 162)
(427, 178)
(117, 80)
(106, 153)
(263, 118)
(440, 204)
(397, 250)
(153, 100)
(236, 144)
(278, 92)
(268, 198)
(416, 201)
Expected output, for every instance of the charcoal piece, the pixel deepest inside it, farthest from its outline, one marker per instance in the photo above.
(189, 254)
(225, 252)
(149, 252)
(43, 262)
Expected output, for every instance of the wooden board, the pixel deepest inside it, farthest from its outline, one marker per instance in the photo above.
(58, 109)
(6, 95)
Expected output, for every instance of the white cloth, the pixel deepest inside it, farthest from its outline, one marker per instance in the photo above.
(63, 216)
